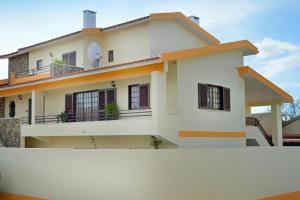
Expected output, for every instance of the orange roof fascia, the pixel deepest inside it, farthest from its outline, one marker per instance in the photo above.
(248, 70)
(25, 79)
(243, 44)
(184, 133)
(286, 196)
(9, 196)
(180, 16)
(4, 82)
(87, 79)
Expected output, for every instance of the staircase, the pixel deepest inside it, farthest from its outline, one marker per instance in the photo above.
(251, 121)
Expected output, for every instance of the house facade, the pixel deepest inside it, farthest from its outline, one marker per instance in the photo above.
(116, 87)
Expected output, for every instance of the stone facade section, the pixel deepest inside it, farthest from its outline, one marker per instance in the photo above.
(2, 107)
(19, 64)
(61, 69)
(10, 132)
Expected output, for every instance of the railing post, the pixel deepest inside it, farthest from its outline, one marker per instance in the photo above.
(33, 106)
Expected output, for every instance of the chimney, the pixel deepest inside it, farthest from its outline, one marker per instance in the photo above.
(89, 19)
(195, 19)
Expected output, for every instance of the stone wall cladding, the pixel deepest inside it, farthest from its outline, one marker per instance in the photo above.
(10, 132)
(2, 107)
(61, 70)
(19, 64)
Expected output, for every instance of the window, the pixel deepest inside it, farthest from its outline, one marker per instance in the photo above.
(139, 96)
(39, 64)
(213, 97)
(69, 58)
(12, 109)
(110, 56)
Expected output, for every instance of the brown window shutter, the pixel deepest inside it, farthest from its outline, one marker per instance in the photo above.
(144, 96)
(69, 103)
(111, 96)
(129, 97)
(202, 95)
(72, 59)
(101, 100)
(226, 99)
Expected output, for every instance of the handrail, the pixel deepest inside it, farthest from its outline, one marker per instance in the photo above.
(33, 71)
(251, 121)
(94, 116)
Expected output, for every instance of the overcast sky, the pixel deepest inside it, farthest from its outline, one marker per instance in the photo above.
(274, 26)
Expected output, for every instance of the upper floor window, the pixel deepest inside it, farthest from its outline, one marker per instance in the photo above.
(213, 97)
(39, 64)
(69, 58)
(110, 55)
(139, 96)
(12, 109)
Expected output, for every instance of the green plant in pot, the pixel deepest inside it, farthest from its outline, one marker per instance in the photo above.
(112, 111)
(58, 61)
(63, 116)
(155, 142)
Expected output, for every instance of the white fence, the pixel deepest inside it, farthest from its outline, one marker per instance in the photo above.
(64, 174)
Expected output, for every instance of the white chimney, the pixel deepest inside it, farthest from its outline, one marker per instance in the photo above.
(195, 19)
(89, 19)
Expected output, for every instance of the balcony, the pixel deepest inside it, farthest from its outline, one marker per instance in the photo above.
(54, 70)
(128, 122)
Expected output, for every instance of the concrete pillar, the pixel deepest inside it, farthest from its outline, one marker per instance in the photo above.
(158, 97)
(33, 106)
(276, 124)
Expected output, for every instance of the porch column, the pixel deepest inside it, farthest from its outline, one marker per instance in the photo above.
(158, 96)
(33, 105)
(276, 124)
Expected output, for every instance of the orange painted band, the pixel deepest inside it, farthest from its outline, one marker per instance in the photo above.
(14, 81)
(8, 196)
(183, 133)
(286, 196)
(93, 78)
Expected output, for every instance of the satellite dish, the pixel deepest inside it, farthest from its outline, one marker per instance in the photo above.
(94, 54)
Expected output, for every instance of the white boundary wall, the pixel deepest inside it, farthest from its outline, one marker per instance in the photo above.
(63, 174)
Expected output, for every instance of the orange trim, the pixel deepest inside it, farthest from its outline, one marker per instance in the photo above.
(91, 30)
(248, 70)
(183, 133)
(14, 81)
(243, 44)
(4, 82)
(188, 21)
(286, 196)
(8, 196)
(93, 78)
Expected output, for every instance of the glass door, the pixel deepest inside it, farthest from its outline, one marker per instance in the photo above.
(87, 106)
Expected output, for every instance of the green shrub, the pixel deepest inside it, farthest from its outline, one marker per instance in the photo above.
(155, 142)
(63, 117)
(58, 61)
(112, 111)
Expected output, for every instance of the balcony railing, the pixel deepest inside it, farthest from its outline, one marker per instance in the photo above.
(53, 70)
(87, 117)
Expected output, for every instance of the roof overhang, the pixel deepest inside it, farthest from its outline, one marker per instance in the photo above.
(188, 23)
(244, 45)
(260, 91)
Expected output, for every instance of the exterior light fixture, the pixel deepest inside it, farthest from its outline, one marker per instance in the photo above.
(113, 84)
(20, 97)
(51, 54)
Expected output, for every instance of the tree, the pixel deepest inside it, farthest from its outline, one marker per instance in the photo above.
(290, 110)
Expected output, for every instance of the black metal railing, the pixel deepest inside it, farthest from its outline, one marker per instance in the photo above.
(32, 72)
(251, 121)
(87, 117)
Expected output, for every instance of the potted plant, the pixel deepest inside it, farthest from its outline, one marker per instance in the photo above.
(111, 111)
(63, 116)
(155, 142)
(58, 61)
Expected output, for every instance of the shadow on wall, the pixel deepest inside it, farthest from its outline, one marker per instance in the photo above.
(10, 132)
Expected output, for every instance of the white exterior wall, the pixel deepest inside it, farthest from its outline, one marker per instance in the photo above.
(21, 105)
(292, 128)
(169, 35)
(66, 46)
(229, 174)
